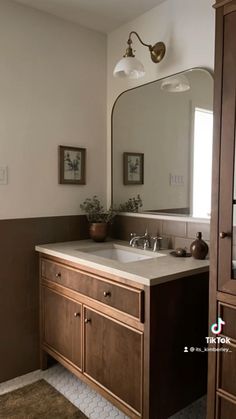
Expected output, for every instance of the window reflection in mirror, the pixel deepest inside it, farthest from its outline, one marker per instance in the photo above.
(171, 124)
(202, 163)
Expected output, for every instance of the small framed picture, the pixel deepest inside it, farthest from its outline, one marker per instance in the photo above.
(72, 165)
(133, 168)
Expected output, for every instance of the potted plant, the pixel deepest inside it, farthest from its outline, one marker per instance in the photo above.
(132, 205)
(98, 218)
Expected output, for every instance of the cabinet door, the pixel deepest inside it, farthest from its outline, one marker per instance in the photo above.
(113, 357)
(226, 409)
(227, 196)
(62, 325)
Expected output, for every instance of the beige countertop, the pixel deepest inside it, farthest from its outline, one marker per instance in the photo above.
(152, 271)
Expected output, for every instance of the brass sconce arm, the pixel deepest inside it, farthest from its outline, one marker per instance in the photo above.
(157, 51)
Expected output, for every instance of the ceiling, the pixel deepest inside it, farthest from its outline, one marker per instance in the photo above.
(100, 15)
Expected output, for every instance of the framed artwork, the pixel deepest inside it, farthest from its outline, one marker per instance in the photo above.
(72, 165)
(133, 169)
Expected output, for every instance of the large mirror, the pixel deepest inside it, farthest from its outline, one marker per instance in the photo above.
(162, 145)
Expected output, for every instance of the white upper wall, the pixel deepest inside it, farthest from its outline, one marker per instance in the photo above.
(52, 92)
(188, 29)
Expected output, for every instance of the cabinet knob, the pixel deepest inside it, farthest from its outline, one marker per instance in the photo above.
(107, 294)
(87, 320)
(76, 314)
(223, 234)
(58, 275)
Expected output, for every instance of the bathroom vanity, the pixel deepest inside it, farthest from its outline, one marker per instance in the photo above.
(122, 326)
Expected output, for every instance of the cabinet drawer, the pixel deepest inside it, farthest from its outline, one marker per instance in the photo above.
(121, 297)
(227, 370)
(228, 314)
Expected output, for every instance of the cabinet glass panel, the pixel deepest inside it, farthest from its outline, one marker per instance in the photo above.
(234, 243)
(233, 276)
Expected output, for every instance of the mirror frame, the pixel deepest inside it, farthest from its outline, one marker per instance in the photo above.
(153, 215)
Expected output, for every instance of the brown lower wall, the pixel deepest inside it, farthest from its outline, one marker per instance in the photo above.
(19, 330)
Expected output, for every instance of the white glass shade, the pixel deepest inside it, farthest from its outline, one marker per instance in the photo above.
(175, 84)
(129, 67)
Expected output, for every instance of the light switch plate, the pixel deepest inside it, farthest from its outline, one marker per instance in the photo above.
(3, 175)
(176, 180)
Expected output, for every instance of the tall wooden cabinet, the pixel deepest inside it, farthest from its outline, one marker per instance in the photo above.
(222, 364)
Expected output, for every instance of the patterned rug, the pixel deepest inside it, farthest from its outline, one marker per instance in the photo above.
(37, 401)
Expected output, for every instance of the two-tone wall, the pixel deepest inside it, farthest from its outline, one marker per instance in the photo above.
(52, 92)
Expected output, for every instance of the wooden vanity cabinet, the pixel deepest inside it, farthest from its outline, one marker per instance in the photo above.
(222, 365)
(94, 326)
(126, 339)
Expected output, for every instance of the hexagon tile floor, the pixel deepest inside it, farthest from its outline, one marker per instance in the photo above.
(87, 400)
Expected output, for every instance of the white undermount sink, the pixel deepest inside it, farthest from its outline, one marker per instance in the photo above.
(120, 253)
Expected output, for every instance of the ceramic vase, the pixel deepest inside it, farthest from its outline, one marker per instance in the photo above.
(98, 231)
(199, 248)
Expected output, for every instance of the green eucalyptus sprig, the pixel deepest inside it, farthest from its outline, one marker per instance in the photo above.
(132, 205)
(95, 211)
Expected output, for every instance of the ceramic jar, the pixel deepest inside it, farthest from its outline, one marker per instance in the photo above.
(199, 248)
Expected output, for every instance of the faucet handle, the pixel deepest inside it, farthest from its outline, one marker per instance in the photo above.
(157, 243)
(146, 232)
(131, 240)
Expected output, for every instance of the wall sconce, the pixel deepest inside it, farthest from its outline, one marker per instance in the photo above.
(132, 68)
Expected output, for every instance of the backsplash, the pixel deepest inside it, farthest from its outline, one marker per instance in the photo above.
(180, 233)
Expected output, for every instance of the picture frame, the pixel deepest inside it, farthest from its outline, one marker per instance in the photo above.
(133, 168)
(72, 164)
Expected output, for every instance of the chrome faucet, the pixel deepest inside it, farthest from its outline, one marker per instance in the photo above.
(145, 239)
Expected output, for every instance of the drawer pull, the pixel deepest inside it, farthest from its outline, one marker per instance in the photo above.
(87, 320)
(107, 294)
(223, 234)
(76, 314)
(58, 275)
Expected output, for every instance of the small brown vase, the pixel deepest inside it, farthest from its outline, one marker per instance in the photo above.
(98, 231)
(199, 248)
